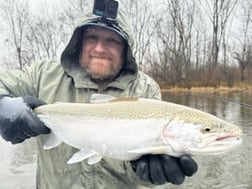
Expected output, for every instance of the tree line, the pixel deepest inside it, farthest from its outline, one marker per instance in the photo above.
(178, 42)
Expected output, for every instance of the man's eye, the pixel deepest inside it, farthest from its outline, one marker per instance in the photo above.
(113, 42)
(91, 38)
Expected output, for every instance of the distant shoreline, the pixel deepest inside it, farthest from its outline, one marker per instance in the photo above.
(208, 89)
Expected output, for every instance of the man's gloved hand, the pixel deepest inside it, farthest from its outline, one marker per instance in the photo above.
(17, 120)
(159, 169)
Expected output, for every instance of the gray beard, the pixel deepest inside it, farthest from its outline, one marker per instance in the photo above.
(102, 77)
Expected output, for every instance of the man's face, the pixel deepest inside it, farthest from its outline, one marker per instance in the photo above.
(101, 54)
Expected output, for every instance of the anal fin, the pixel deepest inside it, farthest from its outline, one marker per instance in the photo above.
(81, 155)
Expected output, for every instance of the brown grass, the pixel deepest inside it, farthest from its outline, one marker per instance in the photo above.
(237, 88)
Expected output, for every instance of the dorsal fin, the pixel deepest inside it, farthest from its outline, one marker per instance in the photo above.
(102, 98)
(124, 99)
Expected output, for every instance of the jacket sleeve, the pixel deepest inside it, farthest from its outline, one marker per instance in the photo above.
(18, 83)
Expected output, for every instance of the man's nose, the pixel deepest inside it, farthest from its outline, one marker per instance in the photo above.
(100, 46)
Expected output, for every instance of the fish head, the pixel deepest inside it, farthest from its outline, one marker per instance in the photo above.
(205, 137)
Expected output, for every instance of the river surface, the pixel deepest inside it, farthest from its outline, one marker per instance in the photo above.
(229, 171)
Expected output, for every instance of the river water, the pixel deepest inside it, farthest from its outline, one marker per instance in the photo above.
(229, 171)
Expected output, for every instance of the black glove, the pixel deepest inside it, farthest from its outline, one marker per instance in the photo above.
(17, 120)
(159, 169)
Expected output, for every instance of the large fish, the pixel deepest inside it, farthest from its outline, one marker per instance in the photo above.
(125, 129)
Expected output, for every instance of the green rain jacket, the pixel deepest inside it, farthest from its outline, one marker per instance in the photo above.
(65, 81)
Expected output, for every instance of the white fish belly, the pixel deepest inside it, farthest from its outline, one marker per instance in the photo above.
(112, 138)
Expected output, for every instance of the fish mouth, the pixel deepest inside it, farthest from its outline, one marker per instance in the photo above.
(219, 145)
(223, 141)
(229, 140)
(227, 137)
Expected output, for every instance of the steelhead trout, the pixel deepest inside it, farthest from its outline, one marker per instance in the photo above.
(126, 129)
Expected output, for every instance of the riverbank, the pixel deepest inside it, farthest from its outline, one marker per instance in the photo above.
(208, 89)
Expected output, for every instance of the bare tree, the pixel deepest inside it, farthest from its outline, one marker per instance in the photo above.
(51, 28)
(218, 11)
(244, 59)
(142, 17)
(15, 14)
(175, 40)
(244, 55)
(72, 11)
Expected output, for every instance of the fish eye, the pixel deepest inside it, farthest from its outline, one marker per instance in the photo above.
(207, 129)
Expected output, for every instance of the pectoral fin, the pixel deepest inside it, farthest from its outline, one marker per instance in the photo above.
(81, 155)
(150, 150)
(52, 141)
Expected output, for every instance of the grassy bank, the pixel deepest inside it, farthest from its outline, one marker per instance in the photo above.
(236, 88)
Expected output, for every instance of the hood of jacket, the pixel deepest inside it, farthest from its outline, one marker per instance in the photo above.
(70, 55)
